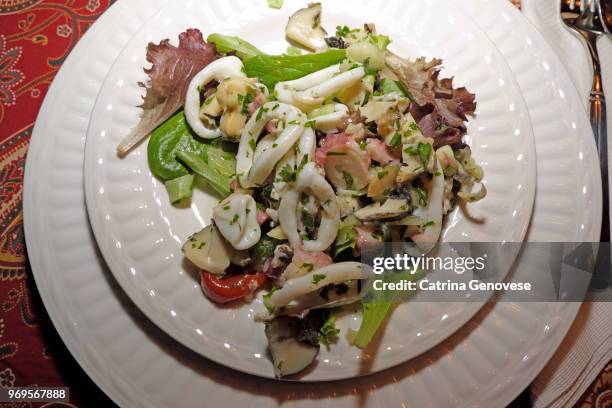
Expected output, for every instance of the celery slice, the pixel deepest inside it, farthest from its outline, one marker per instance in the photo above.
(228, 43)
(376, 309)
(180, 188)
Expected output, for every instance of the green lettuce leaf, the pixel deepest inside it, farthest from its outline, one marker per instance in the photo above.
(271, 69)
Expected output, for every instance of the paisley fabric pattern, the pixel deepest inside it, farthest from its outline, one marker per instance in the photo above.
(36, 36)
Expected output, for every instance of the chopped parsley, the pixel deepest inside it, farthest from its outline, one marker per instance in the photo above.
(287, 174)
(234, 219)
(381, 174)
(347, 238)
(366, 99)
(311, 124)
(307, 219)
(348, 179)
(422, 196)
(396, 141)
(342, 31)
(318, 277)
(248, 98)
(308, 266)
(303, 163)
(424, 150)
(260, 113)
(266, 299)
(209, 100)
(329, 332)
(429, 224)
(335, 154)
(410, 150)
(252, 144)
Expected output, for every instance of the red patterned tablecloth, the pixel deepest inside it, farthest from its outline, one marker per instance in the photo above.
(35, 38)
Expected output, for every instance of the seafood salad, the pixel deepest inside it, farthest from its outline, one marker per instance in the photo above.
(314, 154)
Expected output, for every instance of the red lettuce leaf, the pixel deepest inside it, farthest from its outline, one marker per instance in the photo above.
(169, 75)
(439, 109)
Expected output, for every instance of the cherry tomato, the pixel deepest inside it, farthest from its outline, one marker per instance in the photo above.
(223, 290)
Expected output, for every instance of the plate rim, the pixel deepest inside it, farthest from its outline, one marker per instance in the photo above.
(29, 224)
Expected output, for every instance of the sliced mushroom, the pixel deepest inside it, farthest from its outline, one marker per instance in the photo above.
(236, 219)
(289, 355)
(383, 181)
(282, 256)
(391, 208)
(410, 171)
(304, 27)
(217, 70)
(208, 250)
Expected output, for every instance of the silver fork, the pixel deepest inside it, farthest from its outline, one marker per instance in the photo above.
(585, 18)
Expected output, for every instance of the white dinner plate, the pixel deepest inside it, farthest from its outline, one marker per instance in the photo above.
(138, 365)
(140, 233)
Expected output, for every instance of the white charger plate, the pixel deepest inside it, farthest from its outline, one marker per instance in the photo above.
(137, 365)
(140, 234)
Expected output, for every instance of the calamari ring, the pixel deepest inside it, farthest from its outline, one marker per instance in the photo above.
(256, 160)
(217, 70)
(309, 180)
(236, 219)
(312, 90)
(303, 285)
